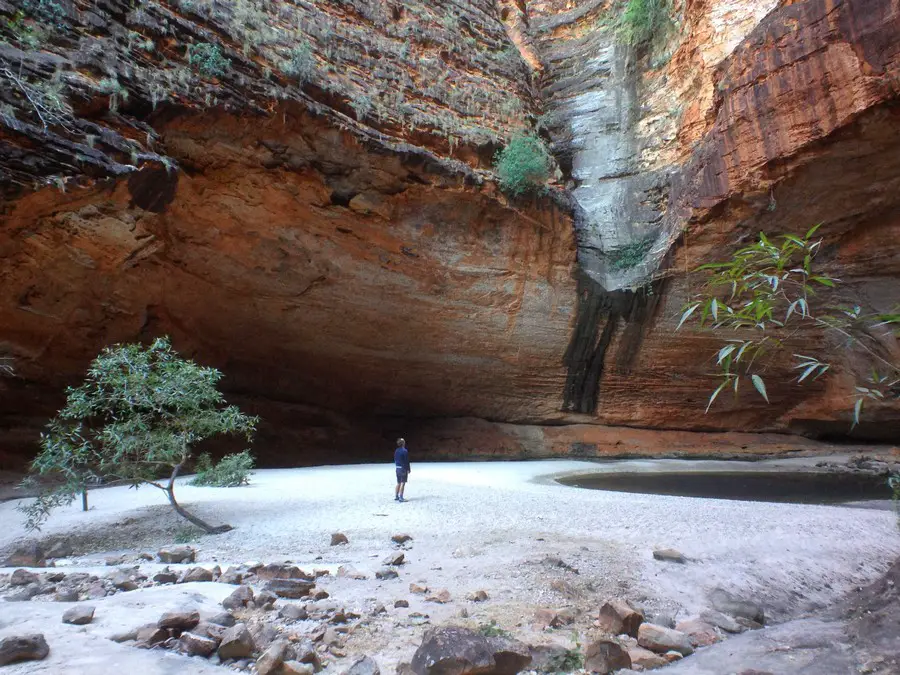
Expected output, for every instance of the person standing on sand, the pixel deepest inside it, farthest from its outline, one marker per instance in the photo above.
(401, 462)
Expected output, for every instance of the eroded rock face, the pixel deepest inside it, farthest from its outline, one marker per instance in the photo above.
(352, 268)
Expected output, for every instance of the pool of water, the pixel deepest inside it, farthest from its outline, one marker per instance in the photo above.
(791, 487)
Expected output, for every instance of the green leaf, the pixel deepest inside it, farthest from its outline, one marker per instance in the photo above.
(760, 386)
(714, 308)
(725, 351)
(857, 409)
(687, 313)
(807, 372)
(825, 281)
(715, 394)
(812, 230)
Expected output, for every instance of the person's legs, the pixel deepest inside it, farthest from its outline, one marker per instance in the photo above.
(402, 487)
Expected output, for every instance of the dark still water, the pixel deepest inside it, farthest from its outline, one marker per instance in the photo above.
(797, 488)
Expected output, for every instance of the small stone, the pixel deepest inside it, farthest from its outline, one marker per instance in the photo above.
(122, 581)
(165, 577)
(478, 596)
(386, 574)
(55, 577)
(265, 599)
(700, 633)
(290, 588)
(305, 652)
(240, 597)
(146, 556)
(23, 648)
(66, 595)
(401, 603)
(79, 616)
(27, 555)
(339, 538)
(451, 650)
(113, 561)
(297, 668)
(237, 643)
(25, 593)
(719, 620)
(661, 640)
(197, 645)
(127, 635)
(416, 588)
(293, 613)
(669, 555)
(321, 595)
(349, 572)
(177, 554)
(394, 559)
(672, 656)
(645, 659)
(618, 617)
(272, 658)
(463, 613)
(442, 597)
(401, 539)
(150, 635)
(551, 618)
(224, 619)
(231, 576)
(197, 574)
(179, 621)
(605, 656)
(378, 609)
(365, 665)
(23, 578)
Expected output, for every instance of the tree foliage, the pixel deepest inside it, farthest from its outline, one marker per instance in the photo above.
(230, 471)
(766, 293)
(522, 166)
(134, 419)
(208, 60)
(645, 21)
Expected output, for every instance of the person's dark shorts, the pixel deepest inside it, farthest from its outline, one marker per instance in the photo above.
(402, 476)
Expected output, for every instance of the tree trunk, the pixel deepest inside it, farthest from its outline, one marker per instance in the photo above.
(84, 501)
(170, 493)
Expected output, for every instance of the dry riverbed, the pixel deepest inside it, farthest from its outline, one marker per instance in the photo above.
(502, 528)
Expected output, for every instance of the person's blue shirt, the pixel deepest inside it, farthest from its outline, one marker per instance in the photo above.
(401, 459)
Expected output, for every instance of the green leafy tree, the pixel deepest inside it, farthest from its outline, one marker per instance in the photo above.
(522, 166)
(134, 419)
(764, 295)
(230, 471)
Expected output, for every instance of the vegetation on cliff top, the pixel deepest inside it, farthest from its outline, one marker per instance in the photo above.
(134, 419)
(645, 21)
(523, 166)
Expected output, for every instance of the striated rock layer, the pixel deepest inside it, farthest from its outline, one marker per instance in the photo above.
(335, 244)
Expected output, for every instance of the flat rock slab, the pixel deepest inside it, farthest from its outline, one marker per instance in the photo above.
(460, 651)
(177, 554)
(79, 616)
(290, 588)
(660, 639)
(669, 555)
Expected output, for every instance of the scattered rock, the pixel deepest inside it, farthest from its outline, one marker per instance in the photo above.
(297, 668)
(23, 648)
(23, 578)
(350, 572)
(619, 618)
(365, 665)
(240, 597)
(60, 550)
(669, 555)
(478, 596)
(197, 574)
(378, 609)
(700, 633)
(150, 635)
(279, 571)
(401, 603)
(463, 613)
(146, 556)
(237, 643)
(673, 656)
(127, 635)
(339, 538)
(290, 588)
(122, 581)
(305, 652)
(66, 595)
(272, 659)
(453, 650)
(232, 576)
(177, 554)
(548, 658)
(224, 619)
(55, 577)
(27, 555)
(394, 559)
(179, 621)
(197, 645)
(293, 613)
(645, 659)
(24, 593)
(401, 539)
(165, 576)
(115, 560)
(552, 618)
(79, 616)
(416, 588)
(727, 603)
(265, 600)
(661, 639)
(442, 597)
(604, 656)
(386, 574)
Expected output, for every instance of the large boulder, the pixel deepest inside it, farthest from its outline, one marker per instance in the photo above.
(452, 650)
(660, 639)
(26, 555)
(365, 665)
(240, 597)
(179, 621)
(605, 656)
(196, 574)
(619, 618)
(23, 648)
(23, 578)
(195, 644)
(290, 588)
(732, 605)
(279, 571)
(237, 643)
(272, 660)
(177, 554)
(79, 616)
(645, 659)
(700, 633)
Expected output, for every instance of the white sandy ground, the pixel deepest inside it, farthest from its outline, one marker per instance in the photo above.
(474, 526)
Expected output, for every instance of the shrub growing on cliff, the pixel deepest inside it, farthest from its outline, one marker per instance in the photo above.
(630, 255)
(644, 21)
(522, 166)
(230, 471)
(768, 289)
(134, 419)
(301, 64)
(207, 59)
